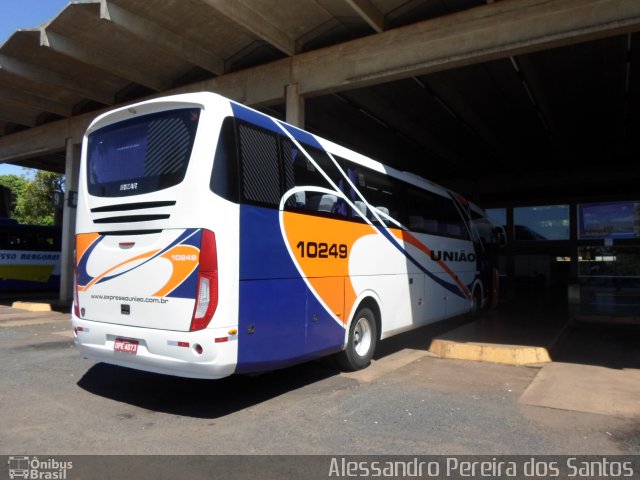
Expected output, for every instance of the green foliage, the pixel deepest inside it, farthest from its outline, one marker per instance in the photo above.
(17, 185)
(33, 197)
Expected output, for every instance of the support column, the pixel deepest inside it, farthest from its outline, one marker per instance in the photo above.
(511, 257)
(574, 282)
(71, 171)
(294, 106)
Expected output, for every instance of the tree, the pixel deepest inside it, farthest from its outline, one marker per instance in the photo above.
(34, 204)
(17, 185)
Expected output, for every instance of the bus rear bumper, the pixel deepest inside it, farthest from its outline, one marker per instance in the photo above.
(159, 351)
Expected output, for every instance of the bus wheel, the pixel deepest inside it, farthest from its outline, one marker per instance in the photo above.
(363, 336)
(477, 301)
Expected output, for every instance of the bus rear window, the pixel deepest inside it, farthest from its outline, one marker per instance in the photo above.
(141, 155)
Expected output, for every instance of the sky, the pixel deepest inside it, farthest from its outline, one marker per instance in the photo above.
(16, 14)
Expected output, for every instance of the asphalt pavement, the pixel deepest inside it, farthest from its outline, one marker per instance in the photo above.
(407, 402)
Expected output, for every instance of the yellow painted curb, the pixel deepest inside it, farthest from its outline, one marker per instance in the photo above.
(484, 352)
(32, 306)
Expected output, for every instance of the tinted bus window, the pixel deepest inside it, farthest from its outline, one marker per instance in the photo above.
(431, 213)
(224, 176)
(259, 165)
(452, 223)
(380, 191)
(141, 155)
(30, 237)
(423, 211)
(299, 171)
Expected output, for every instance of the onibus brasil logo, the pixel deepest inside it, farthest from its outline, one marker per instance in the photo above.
(33, 468)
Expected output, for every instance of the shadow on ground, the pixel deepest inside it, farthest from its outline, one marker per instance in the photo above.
(217, 398)
(48, 297)
(197, 398)
(602, 344)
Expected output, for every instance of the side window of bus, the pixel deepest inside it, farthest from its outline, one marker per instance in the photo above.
(423, 211)
(430, 213)
(483, 227)
(10, 241)
(381, 192)
(452, 223)
(31, 238)
(259, 166)
(299, 171)
(224, 177)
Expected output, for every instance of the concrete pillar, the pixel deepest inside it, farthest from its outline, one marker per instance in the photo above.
(72, 170)
(574, 281)
(294, 106)
(510, 252)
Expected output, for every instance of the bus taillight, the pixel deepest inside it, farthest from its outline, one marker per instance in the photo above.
(76, 303)
(207, 294)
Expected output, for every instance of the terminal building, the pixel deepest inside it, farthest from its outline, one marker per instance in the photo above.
(529, 108)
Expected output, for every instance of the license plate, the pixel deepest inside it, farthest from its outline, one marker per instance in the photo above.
(127, 346)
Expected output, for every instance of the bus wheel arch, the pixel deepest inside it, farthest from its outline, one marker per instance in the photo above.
(362, 336)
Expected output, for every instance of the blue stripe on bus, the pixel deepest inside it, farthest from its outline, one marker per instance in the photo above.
(453, 288)
(268, 123)
(256, 118)
(302, 136)
(280, 320)
(191, 236)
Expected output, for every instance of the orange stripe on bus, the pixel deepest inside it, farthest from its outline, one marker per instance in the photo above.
(104, 274)
(329, 274)
(83, 242)
(184, 259)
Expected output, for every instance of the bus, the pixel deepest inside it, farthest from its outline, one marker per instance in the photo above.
(212, 239)
(29, 257)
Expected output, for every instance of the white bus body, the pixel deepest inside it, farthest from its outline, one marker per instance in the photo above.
(213, 239)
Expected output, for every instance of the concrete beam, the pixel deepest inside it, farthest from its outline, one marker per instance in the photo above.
(453, 102)
(256, 86)
(249, 20)
(114, 66)
(369, 13)
(51, 162)
(47, 138)
(161, 37)
(13, 116)
(46, 76)
(34, 101)
(498, 30)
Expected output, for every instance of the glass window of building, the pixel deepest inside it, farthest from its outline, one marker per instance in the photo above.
(498, 215)
(548, 222)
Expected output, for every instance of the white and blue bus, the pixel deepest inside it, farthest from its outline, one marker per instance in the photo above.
(213, 239)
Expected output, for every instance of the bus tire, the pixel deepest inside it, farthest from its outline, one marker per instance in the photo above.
(363, 337)
(477, 301)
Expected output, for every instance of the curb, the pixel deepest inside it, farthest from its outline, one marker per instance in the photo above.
(32, 306)
(494, 353)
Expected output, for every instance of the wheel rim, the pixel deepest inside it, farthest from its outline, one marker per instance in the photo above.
(362, 337)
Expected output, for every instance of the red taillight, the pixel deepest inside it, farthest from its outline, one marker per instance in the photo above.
(76, 303)
(207, 291)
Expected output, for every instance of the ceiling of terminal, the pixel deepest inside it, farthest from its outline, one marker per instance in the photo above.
(550, 123)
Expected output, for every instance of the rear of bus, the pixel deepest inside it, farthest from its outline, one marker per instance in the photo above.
(156, 250)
